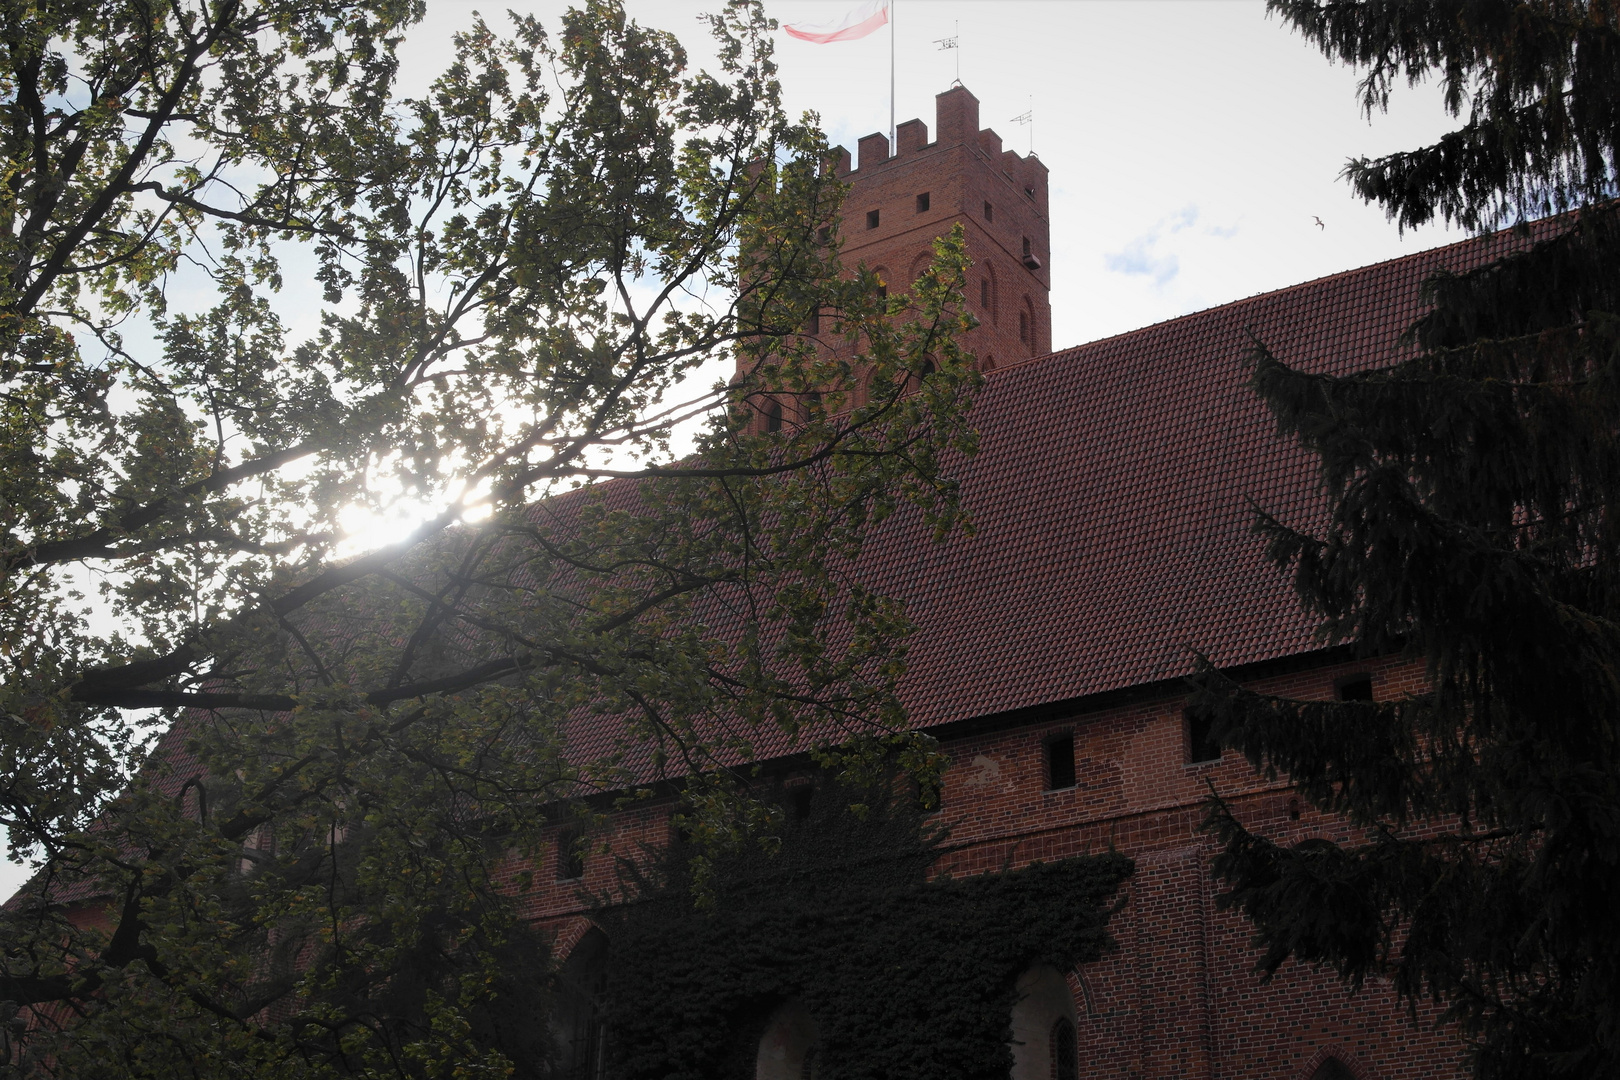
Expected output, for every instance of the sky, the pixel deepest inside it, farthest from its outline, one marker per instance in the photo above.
(1191, 145)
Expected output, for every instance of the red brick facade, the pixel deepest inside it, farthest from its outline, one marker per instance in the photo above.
(965, 176)
(1180, 997)
(1057, 621)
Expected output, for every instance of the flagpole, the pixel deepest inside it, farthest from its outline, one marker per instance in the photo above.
(894, 147)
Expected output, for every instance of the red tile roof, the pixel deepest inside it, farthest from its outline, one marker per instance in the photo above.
(1111, 496)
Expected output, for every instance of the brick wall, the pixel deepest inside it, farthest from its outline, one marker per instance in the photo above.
(898, 204)
(1180, 997)
(963, 171)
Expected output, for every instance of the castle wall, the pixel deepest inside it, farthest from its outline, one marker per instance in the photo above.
(1180, 997)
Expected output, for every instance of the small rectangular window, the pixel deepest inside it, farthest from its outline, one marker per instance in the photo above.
(930, 797)
(1060, 762)
(570, 856)
(1026, 247)
(1200, 746)
(922, 203)
(989, 212)
(871, 219)
(1356, 688)
(801, 800)
(814, 325)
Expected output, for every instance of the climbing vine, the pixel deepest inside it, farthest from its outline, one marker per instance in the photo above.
(906, 977)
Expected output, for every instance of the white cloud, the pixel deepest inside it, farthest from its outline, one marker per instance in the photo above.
(1140, 255)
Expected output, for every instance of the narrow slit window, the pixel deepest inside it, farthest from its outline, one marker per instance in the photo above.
(814, 325)
(1023, 327)
(871, 219)
(1200, 746)
(984, 294)
(1060, 762)
(922, 203)
(773, 416)
(989, 212)
(1026, 247)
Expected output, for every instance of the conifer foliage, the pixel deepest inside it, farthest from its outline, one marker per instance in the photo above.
(1472, 494)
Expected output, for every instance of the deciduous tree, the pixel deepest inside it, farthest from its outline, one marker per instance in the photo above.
(249, 289)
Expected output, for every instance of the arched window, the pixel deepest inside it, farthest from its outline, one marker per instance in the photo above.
(787, 1050)
(1043, 1016)
(1332, 1069)
(1023, 327)
(989, 362)
(875, 390)
(988, 301)
(1065, 1051)
(577, 1021)
(1026, 327)
(919, 264)
(773, 416)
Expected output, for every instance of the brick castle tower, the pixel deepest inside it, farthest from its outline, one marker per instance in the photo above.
(897, 205)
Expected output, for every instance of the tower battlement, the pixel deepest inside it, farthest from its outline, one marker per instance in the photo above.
(898, 203)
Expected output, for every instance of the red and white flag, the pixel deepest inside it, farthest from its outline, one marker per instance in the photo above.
(857, 24)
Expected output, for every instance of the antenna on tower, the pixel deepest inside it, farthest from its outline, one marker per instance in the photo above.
(1027, 118)
(953, 42)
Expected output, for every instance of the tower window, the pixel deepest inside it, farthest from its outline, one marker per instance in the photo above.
(984, 295)
(1060, 762)
(989, 212)
(1200, 746)
(773, 416)
(814, 325)
(1023, 327)
(871, 219)
(1356, 688)
(570, 856)
(1026, 247)
(824, 235)
(922, 203)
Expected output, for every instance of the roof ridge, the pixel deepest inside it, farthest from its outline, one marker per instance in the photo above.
(1259, 296)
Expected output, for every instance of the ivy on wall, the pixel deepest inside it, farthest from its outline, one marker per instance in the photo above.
(906, 977)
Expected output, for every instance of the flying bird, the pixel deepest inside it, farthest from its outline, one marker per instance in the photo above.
(1319, 223)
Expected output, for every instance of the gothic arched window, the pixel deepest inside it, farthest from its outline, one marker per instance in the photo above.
(787, 1050)
(580, 1033)
(1065, 1051)
(773, 416)
(1043, 1027)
